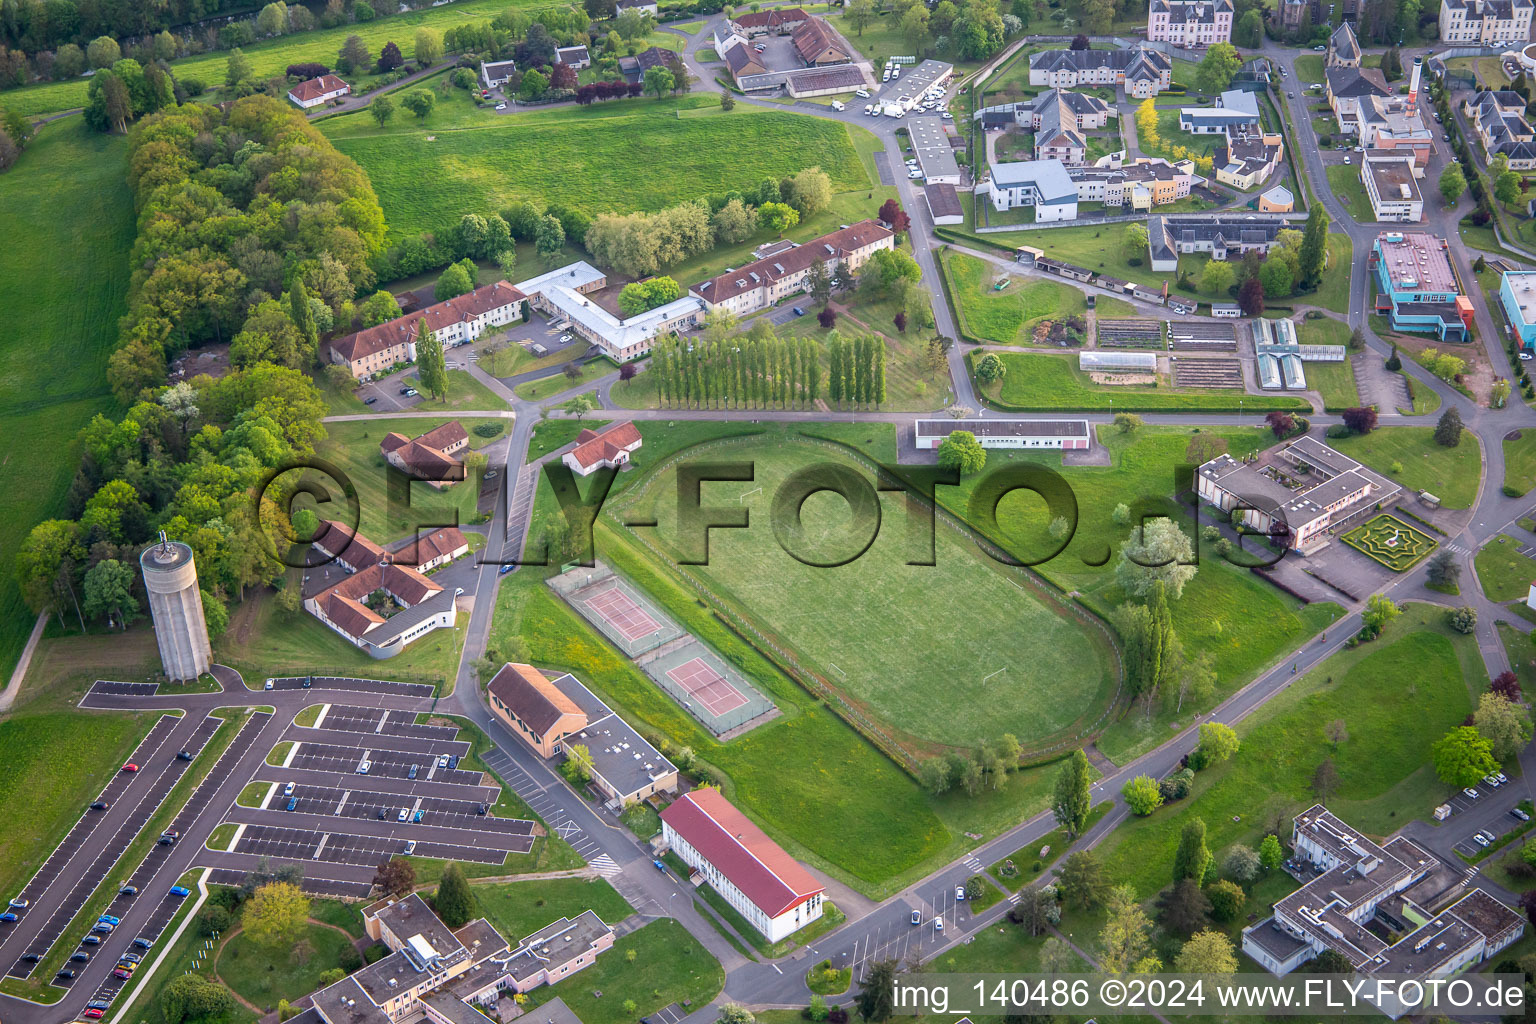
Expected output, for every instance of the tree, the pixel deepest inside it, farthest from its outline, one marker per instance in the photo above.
(532, 86)
(735, 1013)
(809, 191)
(1270, 853)
(1071, 797)
(1448, 430)
(1215, 72)
(395, 877)
(354, 56)
(275, 916)
(1313, 255)
(1135, 242)
(431, 368)
(1281, 424)
(1462, 757)
(1250, 297)
(1127, 422)
(237, 68)
(428, 46)
(1325, 781)
(735, 221)
(1505, 725)
(1156, 552)
(418, 102)
(389, 57)
(1336, 732)
(103, 52)
(1227, 899)
(859, 14)
(1360, 419)
(1216, 277)
(578, 406)
(1452, 184)
(960, 450)
(1507, 685)
(1506, 187)
(1192, 859)
(777, 217)
(727, 101)
(1241, 863)
(826, 318)
(550, 239)
(108, 592)
(1207, 952)
(658, 81)
(1463, 619)
(1142, 795)
(1126, 937)
(192, 997)
(1037, 908)
(877, 992)
(1249, 31)
(990, 368)
(1083, 880)
(273, 19)
(1276, 278)
(1379, 610)
(1184, 907)
(380, 307)
(455, 900)
(1217, 741)
(455, 280)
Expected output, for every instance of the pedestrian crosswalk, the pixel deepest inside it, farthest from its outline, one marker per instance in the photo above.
(972, 863)
(1013, 899)
(1457, 549)
(605, 865)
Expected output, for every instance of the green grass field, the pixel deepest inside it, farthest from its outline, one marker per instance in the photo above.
(1009, 316)
(1344, 180)
(519, 909)
(546, 387)
(1334, 381)
(1520, 460)
(263, 978)
(669, 967)
(621, 156)
(67, 206)
(848, 621)
(1396, 696)
(1038, 381)
(1503, 571)
(272, 56)
(1451, 474)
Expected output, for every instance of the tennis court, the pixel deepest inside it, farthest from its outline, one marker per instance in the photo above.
(707, 686)
(622, 613)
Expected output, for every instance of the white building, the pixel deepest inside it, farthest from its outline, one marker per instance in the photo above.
(1067, 434)
(1190, 23)
(563, 293)
(750, 871)
(1485, 22)
(1398, 888)
(496, 73)
(316, 92)
(1043, 184)
(1392, 187)
(1141, 71)
(609, 448)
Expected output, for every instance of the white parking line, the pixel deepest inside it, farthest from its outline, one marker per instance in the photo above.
(292, 752)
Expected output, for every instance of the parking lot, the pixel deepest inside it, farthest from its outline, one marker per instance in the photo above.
(387, 764)
(344, 718)
(356, 685)
(439, 811)
(304, 844)
(107, 686)
(112, 850)
(312, 886)
(785, 315)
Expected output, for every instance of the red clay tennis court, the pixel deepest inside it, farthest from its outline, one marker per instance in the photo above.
(623, 613)
(707, 686)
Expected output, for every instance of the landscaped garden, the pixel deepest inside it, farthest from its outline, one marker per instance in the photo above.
(1391, 542)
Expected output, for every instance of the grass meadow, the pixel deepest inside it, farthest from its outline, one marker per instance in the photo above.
(619, 156)
(1009, 316)
(66, 288)
(1520, 460)
(1505, 574)
(1451, 474)
(518, 909)
(949, 654)
(1386, 777)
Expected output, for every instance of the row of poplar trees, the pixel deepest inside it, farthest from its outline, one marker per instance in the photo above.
(744, 372)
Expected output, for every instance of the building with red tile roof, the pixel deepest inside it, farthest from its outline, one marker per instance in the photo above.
(348, 548)
(761, 284)
(782, 20)
(435, 549)
(433, 457)
(318, 91)
(411, 607)
(752, 872)
(606, 449)
(819, 46)
(456, 321)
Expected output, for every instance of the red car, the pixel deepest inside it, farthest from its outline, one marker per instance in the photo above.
(130, 767)
(93, 1014)
(120, 973)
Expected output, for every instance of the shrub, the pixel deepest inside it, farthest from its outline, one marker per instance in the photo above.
(1511, 491)
(488, 429)
(1338, 430)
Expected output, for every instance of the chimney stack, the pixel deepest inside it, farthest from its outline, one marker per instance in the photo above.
(1413, 85)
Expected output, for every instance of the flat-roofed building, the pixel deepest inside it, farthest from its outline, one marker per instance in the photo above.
(1416, 286)
(1392, 187)
(992, 433)
(565, 293)
(944, 204)
(1517, 294)
(935, 156)
(902, 94)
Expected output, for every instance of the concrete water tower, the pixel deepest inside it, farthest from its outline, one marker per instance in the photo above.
(176, 605)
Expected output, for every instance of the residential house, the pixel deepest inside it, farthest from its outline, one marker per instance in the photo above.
(317, 92)
(576, 56)
(634, 68)
(433, 550)
(764, 282)
(650, 7)
(495, 73)
(435, 457)
(1222, 236)
(1416, 286)
(342, 544)
(1042, 184)
(1498, 119)
(1485, 22)
(553, 714)
(609, 448)
(1059, 119)
(1343, 47)
(1347, 88)
(1141, 184)
(1391, 184)
(1141, 71)
(750, 871)
(741, 59)
(1190, 23)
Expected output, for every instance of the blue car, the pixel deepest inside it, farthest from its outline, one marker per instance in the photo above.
(416, 817)
(108, 919)
(8, 917)
(505, 569)
(143, 943)
(180, 891)
(102, 928)
(293, 803)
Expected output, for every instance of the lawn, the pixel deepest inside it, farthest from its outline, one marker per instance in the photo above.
(1520, 460)
(1016, 871)
(1334, 381)
(1171, 135)
(669, 966)
(1039, 381)
(1522, 658)
(1390, 541)
(1505, 574)
(68, 199)
(1007, 317)
(262, 977)
(642, 820)
(1451, 474)
(544, 387)
(579, 150)
(552, 435)
(1344, 180)
(976, 621)
(464, 393)
(271, 57)
(1309, 68)
(1396, 696)
(519, 909)
(387, 513)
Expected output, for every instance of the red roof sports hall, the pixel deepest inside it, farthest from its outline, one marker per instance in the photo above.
(752, 872)
(702, 683)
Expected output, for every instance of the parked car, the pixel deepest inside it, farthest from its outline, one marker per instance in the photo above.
(405, 812)
(293, 803)
(130, 767)
(184, 755)
(917, 917)
(80, 957)
(1492, 780)
(30, 958)
(1519, 813)
(92, 940)
(505, 569)
(370, 400)
(1481, 839)
(100, 805)
(416, 817)
(98, 1004)
(442, 761)
(8, 917)
(93, 1013)
(501, 106)
(959, 892)
(862, 94)
(180, 891)
(168, 838)
(383, 813)
(480, 809)
(410, 847)
(362, 769)
(938, 924)
(565, 339)
(409, 392)
(412, 773)
(118, 972)
(131, 958)
(1501, 777)
(797, 311)
(128, 890)
(1472, 793)
(20, 904)
(66, 974)
(453, 761)
(143, 943)
(107, 919)
(101, 928)
(268, 686)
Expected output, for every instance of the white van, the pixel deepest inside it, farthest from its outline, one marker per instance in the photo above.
(837, 105)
